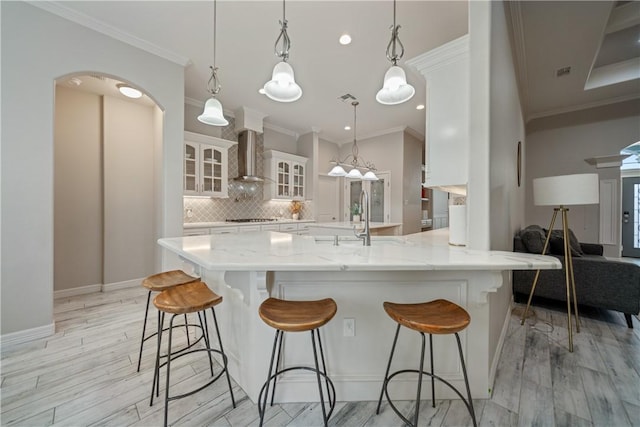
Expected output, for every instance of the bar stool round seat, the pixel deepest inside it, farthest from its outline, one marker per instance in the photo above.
(192, 297)
(298, 316)
(158, 283)
(438, 317)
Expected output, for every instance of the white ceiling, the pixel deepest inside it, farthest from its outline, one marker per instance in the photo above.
(547, 35)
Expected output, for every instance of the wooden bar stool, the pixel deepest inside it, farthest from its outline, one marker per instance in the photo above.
(193, 297)
(297, 316)
(435, 317)
(158, 283)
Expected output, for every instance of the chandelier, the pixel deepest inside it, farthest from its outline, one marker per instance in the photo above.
(354, 164)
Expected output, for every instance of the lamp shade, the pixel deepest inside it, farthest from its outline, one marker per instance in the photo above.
(579, 189)
(212, 114)
(369, 176)
(395, 89)
(354, 174)
(337, 171)
(282, 87)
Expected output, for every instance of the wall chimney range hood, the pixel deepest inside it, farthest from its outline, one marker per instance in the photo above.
(247, 156)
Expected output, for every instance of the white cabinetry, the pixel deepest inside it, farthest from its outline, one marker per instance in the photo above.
(446, 71)
(206, 165)
(287, 174)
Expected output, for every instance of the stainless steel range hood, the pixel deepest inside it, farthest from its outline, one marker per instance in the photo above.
(247, 156)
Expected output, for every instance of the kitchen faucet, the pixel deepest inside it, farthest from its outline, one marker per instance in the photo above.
(365, 234)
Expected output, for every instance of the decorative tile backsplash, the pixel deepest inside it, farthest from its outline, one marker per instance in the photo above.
(245, 201)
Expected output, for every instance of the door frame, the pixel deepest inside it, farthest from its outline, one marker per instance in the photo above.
(346, 202)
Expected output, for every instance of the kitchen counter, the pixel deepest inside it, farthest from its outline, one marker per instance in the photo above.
(188, 225)
(246, 269)
(346, 228)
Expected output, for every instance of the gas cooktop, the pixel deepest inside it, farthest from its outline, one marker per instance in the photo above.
(250, 220)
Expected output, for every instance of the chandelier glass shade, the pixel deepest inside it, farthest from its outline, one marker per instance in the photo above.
(282, 87)
(213, 113)
(353, 161)
(395, 89)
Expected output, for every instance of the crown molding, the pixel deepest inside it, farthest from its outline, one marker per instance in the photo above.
(383, 132)
(580, 107)
(282, 130)
(79, 18)
(441, 56)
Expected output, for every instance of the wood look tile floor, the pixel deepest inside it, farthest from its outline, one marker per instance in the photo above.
(85, 375)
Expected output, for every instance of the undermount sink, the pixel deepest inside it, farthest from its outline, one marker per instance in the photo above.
(354, 241)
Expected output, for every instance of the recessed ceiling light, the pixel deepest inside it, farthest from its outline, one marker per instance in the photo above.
(74, 81)
(345, 39)
(347, 127)
(420, 107)
(261, 91)
(128, 91)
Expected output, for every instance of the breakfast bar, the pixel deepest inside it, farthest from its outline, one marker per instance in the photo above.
(246, 269)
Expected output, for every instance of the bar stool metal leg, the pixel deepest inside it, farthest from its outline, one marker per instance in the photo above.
(469, 402)
(144, 329)
(386, 374)
(215, 321)
(433, 380)
(262, 409)
(315, 359)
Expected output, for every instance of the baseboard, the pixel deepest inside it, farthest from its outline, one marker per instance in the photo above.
(80, 290)
(498, 353)
(121, 285)
(27, 335)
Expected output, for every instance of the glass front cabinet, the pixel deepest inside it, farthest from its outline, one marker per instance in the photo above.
(206, 165)
(286, 176)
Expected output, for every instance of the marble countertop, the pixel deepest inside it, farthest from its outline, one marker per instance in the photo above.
(359, 225)
(235, 224)
(273, 251)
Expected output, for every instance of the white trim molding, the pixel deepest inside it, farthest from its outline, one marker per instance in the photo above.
(57, 8)
(609, 218)
(20, 337)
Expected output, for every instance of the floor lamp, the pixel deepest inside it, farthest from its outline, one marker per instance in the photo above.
(561, 191)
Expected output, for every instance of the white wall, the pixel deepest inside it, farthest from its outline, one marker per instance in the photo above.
(78, 243)
(506, 128)
(411, 184)
(38, 48)
(280, 140)
(558, 145)
(129, 202)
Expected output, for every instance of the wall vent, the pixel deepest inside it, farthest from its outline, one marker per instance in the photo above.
(563, 71)
(346, 97)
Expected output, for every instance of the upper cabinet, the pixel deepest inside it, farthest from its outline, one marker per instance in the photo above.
(206, 165)
(446, 71)
(286, 176)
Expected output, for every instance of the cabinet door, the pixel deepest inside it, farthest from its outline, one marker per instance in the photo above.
(282, 179)
(297, 186)
(211, 170)
(191, 157)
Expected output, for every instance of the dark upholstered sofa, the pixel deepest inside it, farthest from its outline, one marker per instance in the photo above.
(600, 282)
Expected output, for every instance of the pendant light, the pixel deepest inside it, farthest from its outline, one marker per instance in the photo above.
(354, 173)
(212, 114)
(395, 89)
(282, 87)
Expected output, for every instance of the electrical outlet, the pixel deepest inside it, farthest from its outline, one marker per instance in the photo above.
(349, 327)
(188, 213)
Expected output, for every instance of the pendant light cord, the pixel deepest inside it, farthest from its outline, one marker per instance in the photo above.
(213, 85)
(283, 37)
(392, 54)
(354, 147)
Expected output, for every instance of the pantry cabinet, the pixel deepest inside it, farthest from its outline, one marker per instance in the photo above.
(206, 165)
(286, 176)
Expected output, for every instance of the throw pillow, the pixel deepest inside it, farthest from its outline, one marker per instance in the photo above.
(556, 243)
(533, 238)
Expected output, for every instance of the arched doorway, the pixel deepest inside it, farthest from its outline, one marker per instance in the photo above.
(105, 184)
(630, 173)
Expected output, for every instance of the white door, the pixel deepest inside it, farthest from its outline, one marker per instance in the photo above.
(328, 199)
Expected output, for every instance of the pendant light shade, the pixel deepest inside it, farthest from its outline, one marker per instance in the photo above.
(395, 89)
(369, 176)
(354, 174)
(282, 87)
(212, 114)
(337, 171)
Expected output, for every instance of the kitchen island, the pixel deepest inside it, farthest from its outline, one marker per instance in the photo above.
(250, 267)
